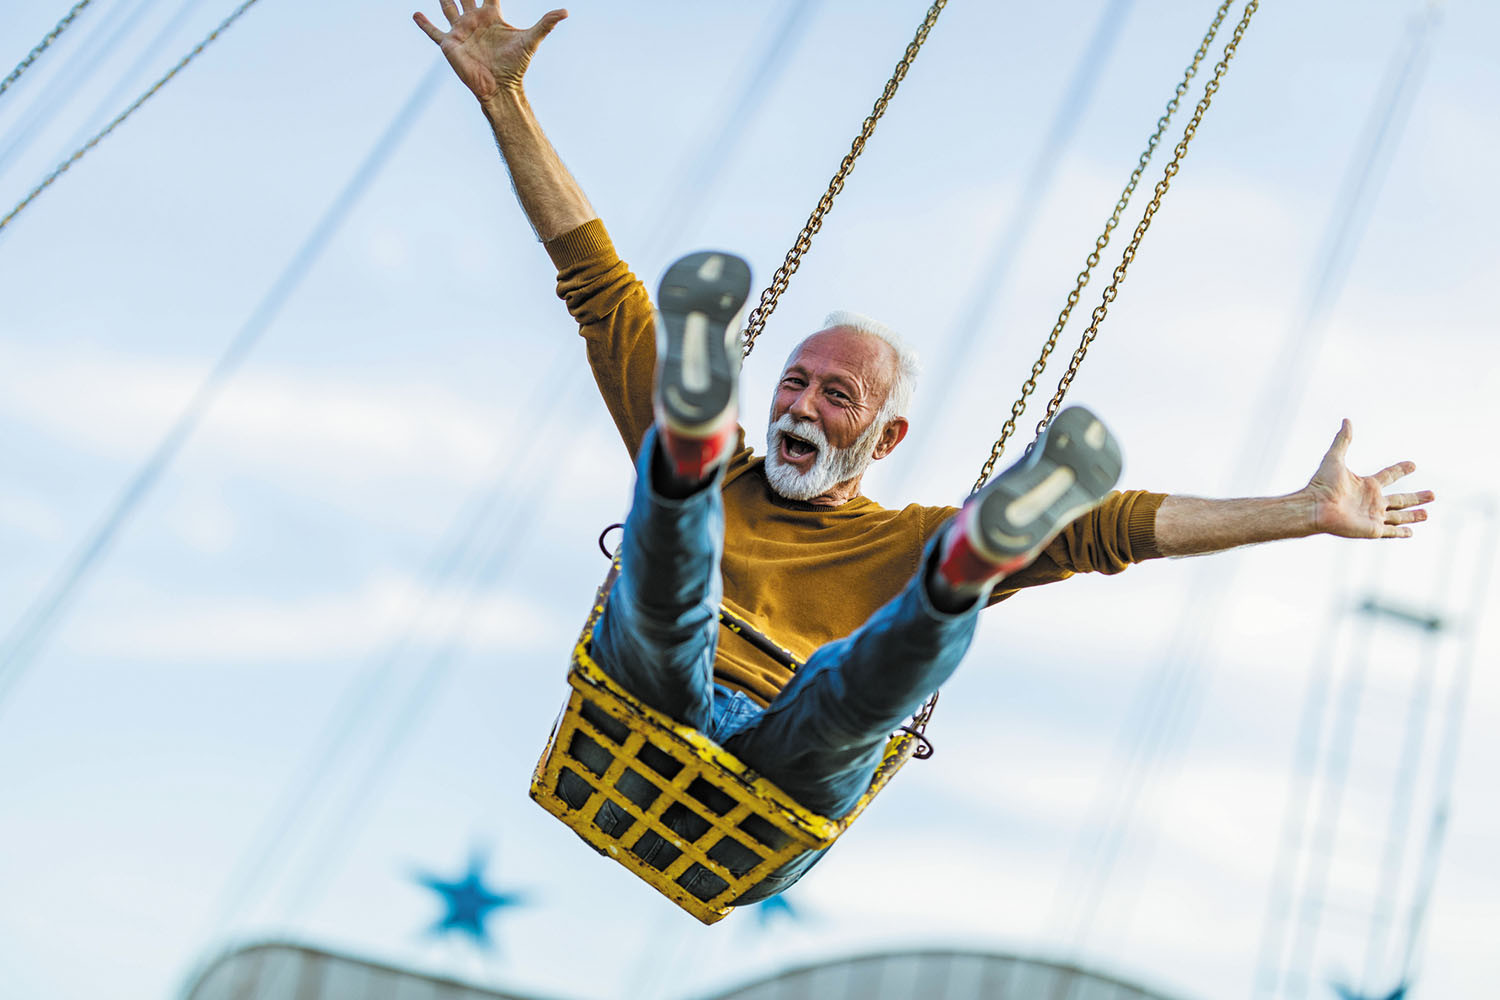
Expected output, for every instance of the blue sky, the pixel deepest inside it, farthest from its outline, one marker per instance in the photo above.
(421, 393)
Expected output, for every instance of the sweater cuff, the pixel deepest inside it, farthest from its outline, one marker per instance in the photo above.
(577, 245)
(1140, 527)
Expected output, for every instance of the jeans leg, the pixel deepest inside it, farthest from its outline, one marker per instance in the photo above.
(821, 739)
(659, 630)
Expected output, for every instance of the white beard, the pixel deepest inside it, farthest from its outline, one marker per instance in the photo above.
(830, 467)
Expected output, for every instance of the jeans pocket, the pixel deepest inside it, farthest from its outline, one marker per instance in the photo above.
(733, 711)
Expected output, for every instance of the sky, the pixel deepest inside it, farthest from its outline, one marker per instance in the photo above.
(322, 653)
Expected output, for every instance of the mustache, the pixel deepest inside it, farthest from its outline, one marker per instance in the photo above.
(804, 429)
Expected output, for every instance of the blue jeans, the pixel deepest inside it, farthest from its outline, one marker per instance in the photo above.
(822, 737)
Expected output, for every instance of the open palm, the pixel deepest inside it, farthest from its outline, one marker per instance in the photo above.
(1358, 506)
(489, 55)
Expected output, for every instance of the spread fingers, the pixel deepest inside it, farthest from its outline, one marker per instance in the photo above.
(427, 26)
(1399, 501)
(1391, 473)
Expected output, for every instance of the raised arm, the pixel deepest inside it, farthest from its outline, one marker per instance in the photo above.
(491, 57)
(1334, 502)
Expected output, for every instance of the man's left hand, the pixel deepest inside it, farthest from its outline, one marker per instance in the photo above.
(1357, 506)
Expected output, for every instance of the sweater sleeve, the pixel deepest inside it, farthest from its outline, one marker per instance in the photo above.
(1119, 531)
(615, 318)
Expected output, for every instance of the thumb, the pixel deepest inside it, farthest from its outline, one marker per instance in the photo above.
(544, 27)
(1340, 446)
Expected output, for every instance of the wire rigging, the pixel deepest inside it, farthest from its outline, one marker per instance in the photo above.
(1447, 762)
(496, 557)
(1290, 956)
(1337, 759)
(1117, 277)
(755, 322)
(127, 79)
(1294, 819)
(1163, 704)
(688, 192)
(82, 64)
(150, 92)
(451, 561)
(44, 44)
(1403, 796)
(470, 544)
(1035, 189)
(26, 639)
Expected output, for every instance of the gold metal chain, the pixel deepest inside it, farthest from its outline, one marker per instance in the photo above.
(43, 45)
(1212, 87)
(67, 164)
(756, 321)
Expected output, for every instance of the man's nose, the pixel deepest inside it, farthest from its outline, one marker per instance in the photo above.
(802, 407)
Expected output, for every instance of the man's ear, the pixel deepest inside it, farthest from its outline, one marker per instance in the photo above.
(893, 434)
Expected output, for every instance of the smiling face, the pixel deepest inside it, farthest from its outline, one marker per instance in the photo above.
(823, 432)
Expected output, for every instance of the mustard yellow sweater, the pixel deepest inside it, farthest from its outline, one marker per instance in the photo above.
(802, 575)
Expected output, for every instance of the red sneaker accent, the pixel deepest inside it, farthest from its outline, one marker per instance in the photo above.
(694, 459)
(1005, 525)
(698, 361)
(962, 565)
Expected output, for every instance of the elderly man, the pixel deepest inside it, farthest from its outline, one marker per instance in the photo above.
(879, 604)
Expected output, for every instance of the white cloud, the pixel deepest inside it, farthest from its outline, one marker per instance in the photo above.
(118, 406)
(356, 623)
(28, 515)
(209, 527)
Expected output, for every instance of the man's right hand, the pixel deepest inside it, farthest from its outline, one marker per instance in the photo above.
(488, 55)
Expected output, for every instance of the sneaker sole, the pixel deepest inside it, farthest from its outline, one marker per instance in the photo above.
(699, 297)
(1077, 463)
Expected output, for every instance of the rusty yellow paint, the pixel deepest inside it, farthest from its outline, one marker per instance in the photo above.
(796, 829)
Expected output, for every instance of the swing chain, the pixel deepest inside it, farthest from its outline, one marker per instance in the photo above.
(756, 321)
(1040, 365)
(119, 119)
(1100, 310)
(43, 45)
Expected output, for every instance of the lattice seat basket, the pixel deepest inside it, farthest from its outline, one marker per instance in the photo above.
(626, 778)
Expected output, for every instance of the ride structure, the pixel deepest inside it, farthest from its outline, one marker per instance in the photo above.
(625, 777)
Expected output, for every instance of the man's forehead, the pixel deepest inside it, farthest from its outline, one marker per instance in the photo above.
(861, 354)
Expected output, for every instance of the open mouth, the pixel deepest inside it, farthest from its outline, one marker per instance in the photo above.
(795, 449)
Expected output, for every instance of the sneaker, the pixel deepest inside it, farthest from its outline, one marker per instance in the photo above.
(698, 360)
(1004, 526)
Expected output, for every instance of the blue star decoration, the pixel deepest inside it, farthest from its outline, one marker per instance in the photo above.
(1345, 993)
(469, 902)
(773, 908)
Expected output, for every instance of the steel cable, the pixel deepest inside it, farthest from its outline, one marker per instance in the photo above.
(120, 119)
(1165, 701)
(25, 640)
(44, 44)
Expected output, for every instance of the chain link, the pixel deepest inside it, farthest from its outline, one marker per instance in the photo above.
(67, 164)
(1037, 368)
(924, 716)
(42, 46)
(756, 321)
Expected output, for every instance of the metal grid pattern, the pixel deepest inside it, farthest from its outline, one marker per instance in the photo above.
(669, 804)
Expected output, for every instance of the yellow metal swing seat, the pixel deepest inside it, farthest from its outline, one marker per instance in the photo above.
(627, 778)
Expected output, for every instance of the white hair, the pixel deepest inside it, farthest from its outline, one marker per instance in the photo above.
(903, 376)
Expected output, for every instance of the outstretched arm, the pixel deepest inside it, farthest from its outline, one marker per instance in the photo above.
(491, 57)
(1334, 502)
